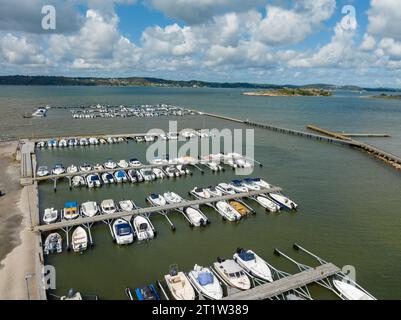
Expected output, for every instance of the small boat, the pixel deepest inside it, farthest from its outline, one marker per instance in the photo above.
(98, 166)
(72, 169)
(214, 192)
(232, 273)
(240, 208)
(350, 291)
(79, 240)
(53, 243)
(253, 264)
(123, 232)
(196, 217)
(188, 134)
(172, 136)
(263, 184)
(200, 193)
(107, 178)
(135, 163)
(93, 141)
(157, 200)
(183, 170)
(93, 180)
(139, 139)
(42, 171)
(243, 163)
(149, 138)
(214, 166)
(268, 204)
(85, 167)
(58, 169)
(172, 198)
(179, 285)
(159, 173)
(238, 186)
(120, 176)
(144, 229)
(110, 164)
(111, 140)
(41, 144)
(72, 296)
(225, 188)
(63, 143)
(283, 201)
(163, 136)
(78, 181)
(70, 211)
(108, 206)
(251, 185)
(89, 209)
(83, 142)
(102, 141)
(147, 174)
(227, 211)
(139, 176)
(50, 215)
(206, 282)
(147, 293)
(132, 176)
(52, 143)
(73, 142)
(123, 164)
(127, 205)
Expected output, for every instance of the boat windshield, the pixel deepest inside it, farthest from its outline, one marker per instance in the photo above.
(123, 229)
(247, 256)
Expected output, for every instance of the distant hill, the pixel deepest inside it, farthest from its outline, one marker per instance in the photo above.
(156, 82)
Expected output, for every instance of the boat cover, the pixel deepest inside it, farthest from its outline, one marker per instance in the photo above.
(205, 278)
(123, 229)
(71, 205)
(247, 256)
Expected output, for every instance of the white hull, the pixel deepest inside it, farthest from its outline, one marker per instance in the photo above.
(125, 235)
(267, 204)
(79, 240)
(213, 290)
(144, 229)
(227, 211)
(180, 287)
(257, 267)
(350, 292)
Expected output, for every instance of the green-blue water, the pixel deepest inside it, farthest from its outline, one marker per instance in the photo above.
(349, 202)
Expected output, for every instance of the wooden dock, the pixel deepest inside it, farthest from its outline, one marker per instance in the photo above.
(27, 170)
(283, 285)
(148, 210)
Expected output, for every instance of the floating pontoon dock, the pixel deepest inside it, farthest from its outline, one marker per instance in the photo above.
(149, 210)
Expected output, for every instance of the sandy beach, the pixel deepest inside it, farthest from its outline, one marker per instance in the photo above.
(16, 239)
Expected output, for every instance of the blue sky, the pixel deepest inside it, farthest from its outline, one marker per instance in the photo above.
(269, 41)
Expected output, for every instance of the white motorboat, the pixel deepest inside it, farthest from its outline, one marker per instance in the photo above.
(163, 136)
(179, 286)
(139, 139)
(123, 232)
(127, 205)
(144, 229)
(172, 198)
(157, 200)
(238, 186)
(89, 209)
(139, 176)
(206, 282)
(350, 291)
(98, 166)
(41, 144)
(83, 142)
(132, 176)
(53, 243)
(110, 140)
(183, 170)
(73, 142)
(93, 180)
(63, 143)
(149, 138)
(123, 164)
(215, 192)
(78, 181)
(50, 215)
(58, 169)
(263, 184)
(196, 217)
(93, 141)
(107, 178)
(52, 143)
(232, 273)
(188, 134)
(70, 211)
(147, 174)
(268, 204)
(251, 185)
(200, 193)
(110, 164)
(226, 189)
(85, 167)
(214, 166)
(102, 141)
(120, 176)
(172, 136)
(42, 171)
(72, 169)
(172, 172)
(108, 206)
(79, 240)
(283, 201)
(135, 163)
(243, 163)
(227, 211)
(159, 173)
(253, 264)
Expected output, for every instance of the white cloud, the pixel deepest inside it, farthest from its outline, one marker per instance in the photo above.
(385, 18)
(368, 43)
(391, 48)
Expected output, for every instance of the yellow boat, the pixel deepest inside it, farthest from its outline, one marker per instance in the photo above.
(241, 209)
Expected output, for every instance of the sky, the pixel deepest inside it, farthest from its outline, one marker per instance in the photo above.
(344, 42)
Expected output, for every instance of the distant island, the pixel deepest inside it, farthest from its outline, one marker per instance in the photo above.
(291, 92)
(24, 80)
(386, 96)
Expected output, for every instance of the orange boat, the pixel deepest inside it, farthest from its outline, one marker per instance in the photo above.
(242, 210)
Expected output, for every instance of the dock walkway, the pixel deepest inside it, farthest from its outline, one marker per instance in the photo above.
(283, 285)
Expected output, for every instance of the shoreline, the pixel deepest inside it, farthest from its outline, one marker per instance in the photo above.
(17, 240)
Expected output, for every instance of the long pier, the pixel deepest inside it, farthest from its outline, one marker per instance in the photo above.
(149, 210)
(283, 285)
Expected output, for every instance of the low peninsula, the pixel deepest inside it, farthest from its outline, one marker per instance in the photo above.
(291, 92)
